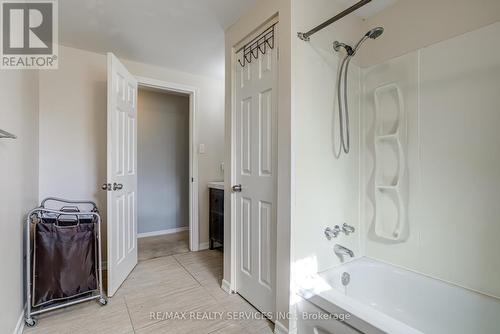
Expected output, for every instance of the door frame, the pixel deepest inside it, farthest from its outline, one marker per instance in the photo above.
(194, 243)
(232, 286)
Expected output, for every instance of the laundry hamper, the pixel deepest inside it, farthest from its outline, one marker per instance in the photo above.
(63, 256)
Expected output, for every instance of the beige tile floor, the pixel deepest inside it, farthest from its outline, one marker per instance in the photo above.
(187, 282)
(163, 245)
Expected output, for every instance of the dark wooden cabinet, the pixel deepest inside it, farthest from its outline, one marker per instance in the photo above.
(216, 218)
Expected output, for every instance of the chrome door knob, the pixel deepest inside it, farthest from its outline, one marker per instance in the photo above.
(117, 186)
(237, 188)
(106, 186)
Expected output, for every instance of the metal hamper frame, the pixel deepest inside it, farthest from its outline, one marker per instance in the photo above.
(38, 212)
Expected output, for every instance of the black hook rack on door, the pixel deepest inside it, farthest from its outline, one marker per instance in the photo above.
(257, 45)
(5, 134)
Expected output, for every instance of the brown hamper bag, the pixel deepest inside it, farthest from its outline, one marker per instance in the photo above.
(64, 261)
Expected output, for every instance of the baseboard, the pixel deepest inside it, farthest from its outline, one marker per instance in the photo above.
(204, 245)
(20, 324)
(226, 286)
(162, 232)
(279, 328)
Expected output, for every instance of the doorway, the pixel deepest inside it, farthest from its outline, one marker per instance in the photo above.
(181, 92)
(122, 174)
(162, 173)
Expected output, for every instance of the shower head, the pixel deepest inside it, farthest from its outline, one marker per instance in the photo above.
(373, 34)
(342, 73)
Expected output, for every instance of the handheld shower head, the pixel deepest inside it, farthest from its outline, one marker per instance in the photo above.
(342, 73)
(375, 32)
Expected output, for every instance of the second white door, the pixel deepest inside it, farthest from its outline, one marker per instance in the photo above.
(255, 133)
(122, 173)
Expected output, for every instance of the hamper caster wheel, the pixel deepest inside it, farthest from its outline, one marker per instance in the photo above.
(103, 301)
(30, 322)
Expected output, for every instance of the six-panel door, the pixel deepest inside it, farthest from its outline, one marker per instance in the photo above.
(255, 132)
(122, 173)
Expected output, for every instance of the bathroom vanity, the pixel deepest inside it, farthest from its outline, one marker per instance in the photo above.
(216, 214)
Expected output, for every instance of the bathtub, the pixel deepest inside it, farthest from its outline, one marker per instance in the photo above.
(381, 298)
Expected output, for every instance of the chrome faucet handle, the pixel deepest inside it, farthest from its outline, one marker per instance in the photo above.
(332, 233)
(348, 229)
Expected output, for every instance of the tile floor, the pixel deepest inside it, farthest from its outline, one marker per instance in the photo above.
(187, 282)
(163, 245)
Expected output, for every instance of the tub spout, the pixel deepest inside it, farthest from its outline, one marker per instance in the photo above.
(340, 251)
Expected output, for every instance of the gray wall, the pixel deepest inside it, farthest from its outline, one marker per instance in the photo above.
(163, 161)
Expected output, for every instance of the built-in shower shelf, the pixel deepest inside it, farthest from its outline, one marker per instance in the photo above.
(390, 181)
(387, 187)
(390, 213)
(393, 136)
(389, 164)
(389, 110)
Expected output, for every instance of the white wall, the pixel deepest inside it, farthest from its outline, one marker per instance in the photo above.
(73, 127)
(19, 185)
(453, 163)
(329, 191)
(326, 186)
(162, 161)
(72, 134)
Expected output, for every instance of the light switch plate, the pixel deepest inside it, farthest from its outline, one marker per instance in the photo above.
(201, 149)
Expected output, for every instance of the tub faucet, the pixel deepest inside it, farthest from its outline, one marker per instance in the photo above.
(336, 230)
(340, 251)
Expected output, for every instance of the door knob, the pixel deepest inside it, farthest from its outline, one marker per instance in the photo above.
(106, 186)
(117, 186)
(236, 188)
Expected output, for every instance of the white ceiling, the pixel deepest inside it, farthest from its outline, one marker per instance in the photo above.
(187, 35)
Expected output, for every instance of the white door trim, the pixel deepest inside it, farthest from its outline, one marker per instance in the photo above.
(232, 179)
(194, 244)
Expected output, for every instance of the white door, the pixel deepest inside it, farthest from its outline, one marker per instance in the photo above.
(122, 173)
(255, 134)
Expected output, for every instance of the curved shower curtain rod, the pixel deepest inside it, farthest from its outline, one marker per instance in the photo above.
(305, 36)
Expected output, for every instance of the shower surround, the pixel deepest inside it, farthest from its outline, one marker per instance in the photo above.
(421, 181)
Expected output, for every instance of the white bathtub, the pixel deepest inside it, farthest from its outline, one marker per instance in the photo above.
(384, 298)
